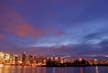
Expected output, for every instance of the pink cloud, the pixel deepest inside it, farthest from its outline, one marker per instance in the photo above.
(25, 30)
(2, 36)
(58, 1)
(59, 33)
(12, 22)
(20, 1)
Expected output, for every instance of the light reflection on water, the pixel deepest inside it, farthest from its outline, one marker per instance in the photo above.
(28, 69)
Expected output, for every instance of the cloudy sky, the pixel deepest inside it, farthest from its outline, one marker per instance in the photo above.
(54, 26)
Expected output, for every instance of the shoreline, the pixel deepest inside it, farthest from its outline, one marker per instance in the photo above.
(51, 66)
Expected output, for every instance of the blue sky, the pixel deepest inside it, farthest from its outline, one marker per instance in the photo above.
(54, 23)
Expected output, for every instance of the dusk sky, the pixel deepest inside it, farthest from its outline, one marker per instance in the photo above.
(60, 27)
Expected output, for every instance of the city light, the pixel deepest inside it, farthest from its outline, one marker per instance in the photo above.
(32, 60)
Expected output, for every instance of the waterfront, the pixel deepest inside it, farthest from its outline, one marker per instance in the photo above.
(52, 61)
(32, 69)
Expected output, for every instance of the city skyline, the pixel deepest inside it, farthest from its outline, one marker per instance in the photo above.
(54, 27)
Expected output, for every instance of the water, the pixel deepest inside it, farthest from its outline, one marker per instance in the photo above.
(26, 69)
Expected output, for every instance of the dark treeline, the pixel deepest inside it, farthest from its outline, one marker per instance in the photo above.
(51, 63)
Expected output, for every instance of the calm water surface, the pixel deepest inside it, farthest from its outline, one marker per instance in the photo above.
(21, 69)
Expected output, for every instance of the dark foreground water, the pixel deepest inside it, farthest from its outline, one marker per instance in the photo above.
(20, 69)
